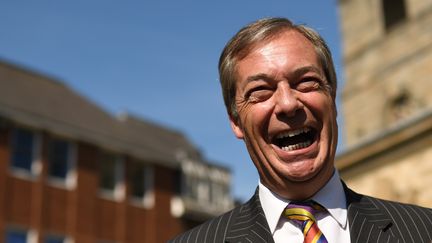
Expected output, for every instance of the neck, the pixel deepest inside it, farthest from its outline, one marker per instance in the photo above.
(298, 191)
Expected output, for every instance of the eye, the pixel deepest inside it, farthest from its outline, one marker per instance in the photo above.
(309, 84)
(259, 93)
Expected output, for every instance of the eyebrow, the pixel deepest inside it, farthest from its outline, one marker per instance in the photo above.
(298, 72)
(303, 70)
(259, 76)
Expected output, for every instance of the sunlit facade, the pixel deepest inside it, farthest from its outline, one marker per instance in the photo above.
(387, 106)
(71, 172)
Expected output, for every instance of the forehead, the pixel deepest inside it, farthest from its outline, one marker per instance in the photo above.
(288, 49)
(284, 38)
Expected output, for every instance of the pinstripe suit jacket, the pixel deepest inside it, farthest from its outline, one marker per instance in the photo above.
(370, 220)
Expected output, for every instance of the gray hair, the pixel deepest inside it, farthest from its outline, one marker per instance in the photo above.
(249, 36)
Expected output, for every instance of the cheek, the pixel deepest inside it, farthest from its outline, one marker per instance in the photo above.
(324, 111)
(266, 108)
(257, 112)
(321, 106)
(261, 114)
(255, 120)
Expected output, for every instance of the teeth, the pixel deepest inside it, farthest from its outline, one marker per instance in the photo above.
(292, 133)
(296, 146)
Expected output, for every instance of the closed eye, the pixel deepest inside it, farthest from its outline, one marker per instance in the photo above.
(309, 84)
(259, 93)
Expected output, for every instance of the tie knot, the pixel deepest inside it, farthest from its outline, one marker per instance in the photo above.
(302, 211)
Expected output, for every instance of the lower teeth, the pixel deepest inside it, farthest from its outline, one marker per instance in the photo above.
(296, 146)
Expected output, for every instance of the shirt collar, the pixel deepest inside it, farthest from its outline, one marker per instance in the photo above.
(331, 196)
(272, 205)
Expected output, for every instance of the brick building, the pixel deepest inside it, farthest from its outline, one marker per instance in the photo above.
(71, 172)
(387, 106)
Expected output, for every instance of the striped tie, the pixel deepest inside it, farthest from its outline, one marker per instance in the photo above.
(303, 214)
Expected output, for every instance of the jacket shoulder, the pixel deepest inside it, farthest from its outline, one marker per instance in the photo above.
(412, 223)
(391, 208)
(404, 211)
(374, 220)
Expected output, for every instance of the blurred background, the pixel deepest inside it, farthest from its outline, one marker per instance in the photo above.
(154, 59)
(114, 129)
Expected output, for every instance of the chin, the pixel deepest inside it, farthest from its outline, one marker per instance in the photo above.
(305, 171)
(301, 178)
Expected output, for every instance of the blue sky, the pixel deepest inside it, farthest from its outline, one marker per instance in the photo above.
(154, 59)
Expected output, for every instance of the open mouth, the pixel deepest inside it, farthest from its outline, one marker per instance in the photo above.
(295, 139)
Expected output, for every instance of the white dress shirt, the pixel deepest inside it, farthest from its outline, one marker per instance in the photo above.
(333, 224)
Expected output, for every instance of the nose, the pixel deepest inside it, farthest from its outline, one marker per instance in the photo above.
(287, 102)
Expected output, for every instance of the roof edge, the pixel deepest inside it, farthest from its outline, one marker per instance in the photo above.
(395, 135)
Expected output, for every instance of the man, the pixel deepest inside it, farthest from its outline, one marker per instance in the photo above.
(279, 87)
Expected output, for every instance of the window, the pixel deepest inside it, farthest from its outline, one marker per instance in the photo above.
(394, 12)
(111, 176)
(197, 185)
(203, 190)
(61, 162)
(16, 237)
(142, 184)
(197, 188)
(219, 187)
(401, 106)
(20, 236)
(178, 182)
(25, 151)
(57, 239)
(54, 239)
(217, 194)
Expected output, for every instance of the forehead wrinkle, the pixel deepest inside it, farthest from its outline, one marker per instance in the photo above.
(275, 66)
(275, 61)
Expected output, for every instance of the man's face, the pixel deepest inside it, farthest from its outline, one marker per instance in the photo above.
(286, 115)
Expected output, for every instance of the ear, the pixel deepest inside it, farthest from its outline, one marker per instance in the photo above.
(236, 128)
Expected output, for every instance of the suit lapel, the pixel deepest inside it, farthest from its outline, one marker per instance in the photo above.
(249, 224)
(367, 222)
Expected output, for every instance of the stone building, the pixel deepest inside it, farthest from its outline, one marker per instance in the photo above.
(387, 106)
(71, 172)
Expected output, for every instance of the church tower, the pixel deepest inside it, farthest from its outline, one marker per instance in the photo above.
(386, 98)
(388, 64)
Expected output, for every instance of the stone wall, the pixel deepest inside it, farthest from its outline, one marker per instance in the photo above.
(400, 174)
(388, 81)
(383, 66)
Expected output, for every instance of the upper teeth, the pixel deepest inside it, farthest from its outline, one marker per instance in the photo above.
(292, 133)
